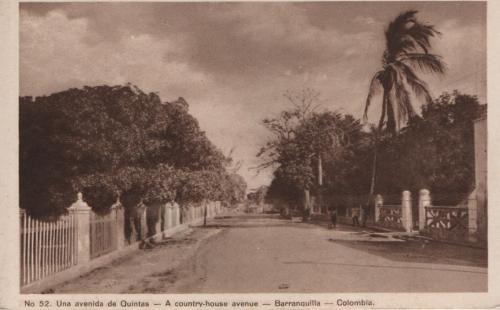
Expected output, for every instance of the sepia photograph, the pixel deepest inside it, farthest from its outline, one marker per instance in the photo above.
(252, 148)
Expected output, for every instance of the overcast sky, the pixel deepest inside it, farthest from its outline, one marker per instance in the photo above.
(233, 61)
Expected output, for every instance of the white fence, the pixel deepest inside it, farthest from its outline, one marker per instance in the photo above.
(47, 247)
(77, 239)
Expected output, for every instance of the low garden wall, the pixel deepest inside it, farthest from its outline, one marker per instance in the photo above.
(57, 251)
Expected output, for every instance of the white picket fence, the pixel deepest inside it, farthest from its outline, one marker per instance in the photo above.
(48, 248)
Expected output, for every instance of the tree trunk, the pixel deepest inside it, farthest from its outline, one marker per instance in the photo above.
(374, 171)
(319, 201)
(205, 214)
(306, 199)
(374, 167)
(320, 171)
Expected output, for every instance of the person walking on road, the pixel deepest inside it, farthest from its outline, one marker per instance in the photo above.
(355, 217)
(333, 218)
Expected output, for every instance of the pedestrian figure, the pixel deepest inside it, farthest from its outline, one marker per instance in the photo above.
(355, 218)
(333, 218)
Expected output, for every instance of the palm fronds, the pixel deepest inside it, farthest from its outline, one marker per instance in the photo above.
(408, 42)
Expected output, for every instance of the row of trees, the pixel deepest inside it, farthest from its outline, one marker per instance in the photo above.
(117, 141)
(434, 151)
(404, 151)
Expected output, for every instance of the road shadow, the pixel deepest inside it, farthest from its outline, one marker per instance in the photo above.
(421, 252)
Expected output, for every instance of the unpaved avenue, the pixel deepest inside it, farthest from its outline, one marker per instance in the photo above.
(146, 271)
(249, 254)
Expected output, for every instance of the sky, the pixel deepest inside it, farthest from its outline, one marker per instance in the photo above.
(233, 62)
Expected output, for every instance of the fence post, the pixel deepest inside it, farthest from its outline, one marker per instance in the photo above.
(168, 216)
(472, 217)
(423, 202)
(177, 214)
(379, 202)
(406, 212)
(82, 213)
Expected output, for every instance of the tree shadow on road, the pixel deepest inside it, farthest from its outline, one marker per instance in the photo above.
(421, 252)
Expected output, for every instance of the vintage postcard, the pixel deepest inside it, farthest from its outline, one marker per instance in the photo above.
(249, 155)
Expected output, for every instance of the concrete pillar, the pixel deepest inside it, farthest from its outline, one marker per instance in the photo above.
(472, 217)
(177, 215)
(120, 227)
(82, 214)
(118, 210)
(173, 215)
(379, 201)
(406, 211)
(424, 200)
(168, 216)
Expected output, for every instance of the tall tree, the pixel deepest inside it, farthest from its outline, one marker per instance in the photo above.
(407, 50)
(302, 139)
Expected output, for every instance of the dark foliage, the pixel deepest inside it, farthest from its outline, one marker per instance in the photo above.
(107, 141)
(434, 151)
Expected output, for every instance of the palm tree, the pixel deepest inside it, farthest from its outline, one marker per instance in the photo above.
(407, 50)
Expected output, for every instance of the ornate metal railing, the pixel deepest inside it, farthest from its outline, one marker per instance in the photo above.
(390, 216)
(445, 222)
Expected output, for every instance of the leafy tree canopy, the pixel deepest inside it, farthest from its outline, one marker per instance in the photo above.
(107, 141)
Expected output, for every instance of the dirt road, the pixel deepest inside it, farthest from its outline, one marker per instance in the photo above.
(263, 254)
